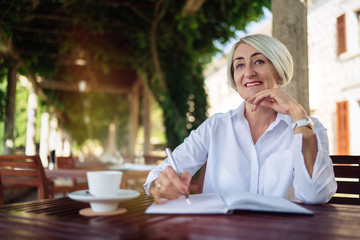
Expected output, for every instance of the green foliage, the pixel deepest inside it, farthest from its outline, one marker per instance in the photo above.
(22, 96)
(115, 35)
(157, 129)
(185, 44)
(90, 114)
(3, 74)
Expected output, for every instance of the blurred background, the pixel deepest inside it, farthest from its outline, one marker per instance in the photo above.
(115, 80)
(120, 80)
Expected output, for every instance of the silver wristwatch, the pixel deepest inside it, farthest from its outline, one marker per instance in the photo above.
(303, 122)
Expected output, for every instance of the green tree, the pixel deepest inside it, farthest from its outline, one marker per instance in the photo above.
(22, 96)
(157, 38)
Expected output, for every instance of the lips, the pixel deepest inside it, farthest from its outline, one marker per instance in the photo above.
(252, 84)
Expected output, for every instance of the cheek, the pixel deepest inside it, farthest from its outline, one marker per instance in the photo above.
(277, 77)
(238, 83)
(237, 78)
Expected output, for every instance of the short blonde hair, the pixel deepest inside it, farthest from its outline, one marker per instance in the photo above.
(272, 49)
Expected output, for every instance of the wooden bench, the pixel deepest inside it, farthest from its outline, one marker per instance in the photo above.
(66, 184)
(347, 174)
(153, 159)
(20, 171)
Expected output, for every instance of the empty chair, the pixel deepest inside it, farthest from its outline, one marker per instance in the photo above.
(347, 174)
(63, 162)
(153, 159)
(22, 171)
(63, 184)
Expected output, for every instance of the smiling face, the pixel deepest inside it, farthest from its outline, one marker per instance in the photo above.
(253, 72)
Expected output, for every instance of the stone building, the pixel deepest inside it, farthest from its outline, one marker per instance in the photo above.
(334, 72)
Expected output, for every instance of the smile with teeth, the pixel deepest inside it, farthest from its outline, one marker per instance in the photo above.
(251, 84)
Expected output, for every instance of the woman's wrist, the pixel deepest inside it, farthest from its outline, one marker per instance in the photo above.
(297, 112)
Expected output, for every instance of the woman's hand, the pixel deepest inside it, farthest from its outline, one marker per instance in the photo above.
(283, 103)
(279, 102)
(170, 185)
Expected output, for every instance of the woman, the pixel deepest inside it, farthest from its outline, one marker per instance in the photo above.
(268, 146)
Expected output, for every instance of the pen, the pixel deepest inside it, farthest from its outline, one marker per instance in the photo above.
(172, 161)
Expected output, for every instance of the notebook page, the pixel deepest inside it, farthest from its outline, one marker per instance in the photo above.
(209, 203)
(255, 202)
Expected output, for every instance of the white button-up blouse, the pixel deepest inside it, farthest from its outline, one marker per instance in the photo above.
(274, 166)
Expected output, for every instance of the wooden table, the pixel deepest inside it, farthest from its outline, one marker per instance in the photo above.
(59, 219)
(74, 173)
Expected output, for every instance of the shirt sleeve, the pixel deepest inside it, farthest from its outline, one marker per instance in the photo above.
(321, 186)
(190, 155)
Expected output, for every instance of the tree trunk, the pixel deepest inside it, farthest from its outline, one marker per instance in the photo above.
(290, 27)
(159, 13)
(147, 104)
(134, 96)
(8, 147)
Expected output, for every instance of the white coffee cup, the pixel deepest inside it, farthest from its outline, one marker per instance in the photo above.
(103, 185)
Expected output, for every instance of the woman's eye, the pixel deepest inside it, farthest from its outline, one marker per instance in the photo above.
(259, 61)
(239, 66)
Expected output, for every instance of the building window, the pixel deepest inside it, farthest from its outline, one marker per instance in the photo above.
(342, 128)
(341, 34)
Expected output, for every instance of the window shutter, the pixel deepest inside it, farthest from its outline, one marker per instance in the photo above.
(341, 34)
(342, 128)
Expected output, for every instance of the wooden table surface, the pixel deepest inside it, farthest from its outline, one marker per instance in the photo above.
(59, 219)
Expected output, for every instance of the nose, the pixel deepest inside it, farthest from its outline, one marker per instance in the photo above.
(249, 71)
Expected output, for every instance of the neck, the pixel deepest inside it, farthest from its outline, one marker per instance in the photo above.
(261, 116)
(259, 120)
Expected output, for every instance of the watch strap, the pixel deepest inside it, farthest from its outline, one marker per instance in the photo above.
(301, 123)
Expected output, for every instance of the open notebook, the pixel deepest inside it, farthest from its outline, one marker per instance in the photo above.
(214, 203)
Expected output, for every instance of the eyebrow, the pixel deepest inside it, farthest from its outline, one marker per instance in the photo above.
(252, 55)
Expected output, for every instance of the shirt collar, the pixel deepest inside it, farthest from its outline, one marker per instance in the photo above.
(281, 118)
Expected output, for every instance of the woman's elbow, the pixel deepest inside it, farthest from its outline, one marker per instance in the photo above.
(321, 196)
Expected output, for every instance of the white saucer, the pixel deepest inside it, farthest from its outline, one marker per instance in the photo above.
(122, 195)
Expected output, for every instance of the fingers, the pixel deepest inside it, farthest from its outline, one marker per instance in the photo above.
(186, 178)
(154, 191)
(260, 96)
(173, 180)
(272, 98)
(265, 102)
(169, 185)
